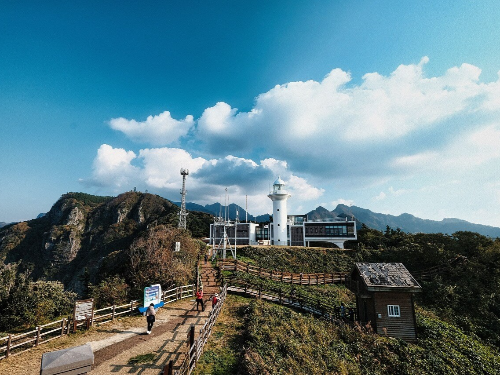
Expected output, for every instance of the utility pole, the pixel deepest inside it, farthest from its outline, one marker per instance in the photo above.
(183, 213)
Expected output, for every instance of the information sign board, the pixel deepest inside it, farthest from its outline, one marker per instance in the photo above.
(83, 309)
(152, 294)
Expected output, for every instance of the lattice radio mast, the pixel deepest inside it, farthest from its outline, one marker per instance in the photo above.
(183, 213)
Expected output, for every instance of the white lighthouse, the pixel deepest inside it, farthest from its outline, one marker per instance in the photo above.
(279, 197)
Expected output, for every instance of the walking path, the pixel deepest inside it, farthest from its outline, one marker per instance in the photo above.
(114, 344)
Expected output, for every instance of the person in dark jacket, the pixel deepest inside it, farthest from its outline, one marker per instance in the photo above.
(150, 317)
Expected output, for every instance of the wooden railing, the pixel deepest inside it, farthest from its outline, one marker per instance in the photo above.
(285, 277)
(317, 305)
(195, 347)
(14, 344)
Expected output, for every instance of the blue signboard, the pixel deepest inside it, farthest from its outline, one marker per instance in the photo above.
(152, 295)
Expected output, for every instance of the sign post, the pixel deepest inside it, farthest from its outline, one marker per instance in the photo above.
(84, 310)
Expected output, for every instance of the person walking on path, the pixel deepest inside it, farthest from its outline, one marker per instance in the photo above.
(150, 317)
(206, 258)
(199, 299)
(215, 299)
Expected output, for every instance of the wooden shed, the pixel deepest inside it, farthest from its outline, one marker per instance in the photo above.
(384, 297)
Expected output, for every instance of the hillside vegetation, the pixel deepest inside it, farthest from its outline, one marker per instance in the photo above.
(281, 340)
(108, 248)
(458, 311)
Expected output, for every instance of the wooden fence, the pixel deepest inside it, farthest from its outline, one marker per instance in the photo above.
(195, 347)
(285, 277)
(317, 305)
(14, 344)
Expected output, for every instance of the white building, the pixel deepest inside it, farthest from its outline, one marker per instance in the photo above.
(285, 230)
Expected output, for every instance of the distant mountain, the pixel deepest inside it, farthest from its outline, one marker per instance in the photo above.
(2, 224)
(233, 211)
(406, 222)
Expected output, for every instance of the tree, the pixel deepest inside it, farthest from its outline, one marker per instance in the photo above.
(152, 259)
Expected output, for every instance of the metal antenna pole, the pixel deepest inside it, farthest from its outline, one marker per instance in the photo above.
(183, 213)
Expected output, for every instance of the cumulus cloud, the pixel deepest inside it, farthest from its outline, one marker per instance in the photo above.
(360, 130)
(112, 168)
(389, 130)
(156, 130)
(158, 169)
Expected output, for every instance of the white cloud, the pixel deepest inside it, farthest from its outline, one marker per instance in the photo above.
(162, 166)
(112, 168)
(157, 130)
(302, 190)
(404, 129)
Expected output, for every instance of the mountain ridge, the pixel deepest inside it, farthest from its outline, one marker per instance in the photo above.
(405, 221)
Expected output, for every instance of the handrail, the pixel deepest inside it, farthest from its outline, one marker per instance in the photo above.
(316, 306)
(286, 277)
(42, 334)
(195, 350)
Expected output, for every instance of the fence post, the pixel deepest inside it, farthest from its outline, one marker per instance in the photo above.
(37, 335)
(301, 278)
(63, 321)
(131, 307)
(271, 274)
(9, 342)
(309, 277)
(168, 369)
(113, 313)
(260, 291)
(191, 335)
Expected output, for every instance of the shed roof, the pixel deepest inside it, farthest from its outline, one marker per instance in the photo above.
(386, 275)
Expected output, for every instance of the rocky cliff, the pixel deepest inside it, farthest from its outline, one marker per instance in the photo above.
(88, 235)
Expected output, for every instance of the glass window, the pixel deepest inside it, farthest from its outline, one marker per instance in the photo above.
(393, 311)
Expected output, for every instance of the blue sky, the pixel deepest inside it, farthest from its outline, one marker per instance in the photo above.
(391, 106)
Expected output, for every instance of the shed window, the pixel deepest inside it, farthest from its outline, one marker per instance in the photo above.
(393, 311)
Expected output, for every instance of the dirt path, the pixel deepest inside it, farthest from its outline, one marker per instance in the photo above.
(114, 344)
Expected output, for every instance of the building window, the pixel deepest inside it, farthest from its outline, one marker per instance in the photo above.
(393, 311)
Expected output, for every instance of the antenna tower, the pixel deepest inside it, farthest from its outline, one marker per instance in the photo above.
(183, 213)
(224, 243)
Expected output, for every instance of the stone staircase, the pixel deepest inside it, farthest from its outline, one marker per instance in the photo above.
(209, 280)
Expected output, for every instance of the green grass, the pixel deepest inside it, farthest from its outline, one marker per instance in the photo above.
(142, 358)
(222, 354)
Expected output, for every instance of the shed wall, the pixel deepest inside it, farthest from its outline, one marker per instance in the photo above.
(403, 326)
